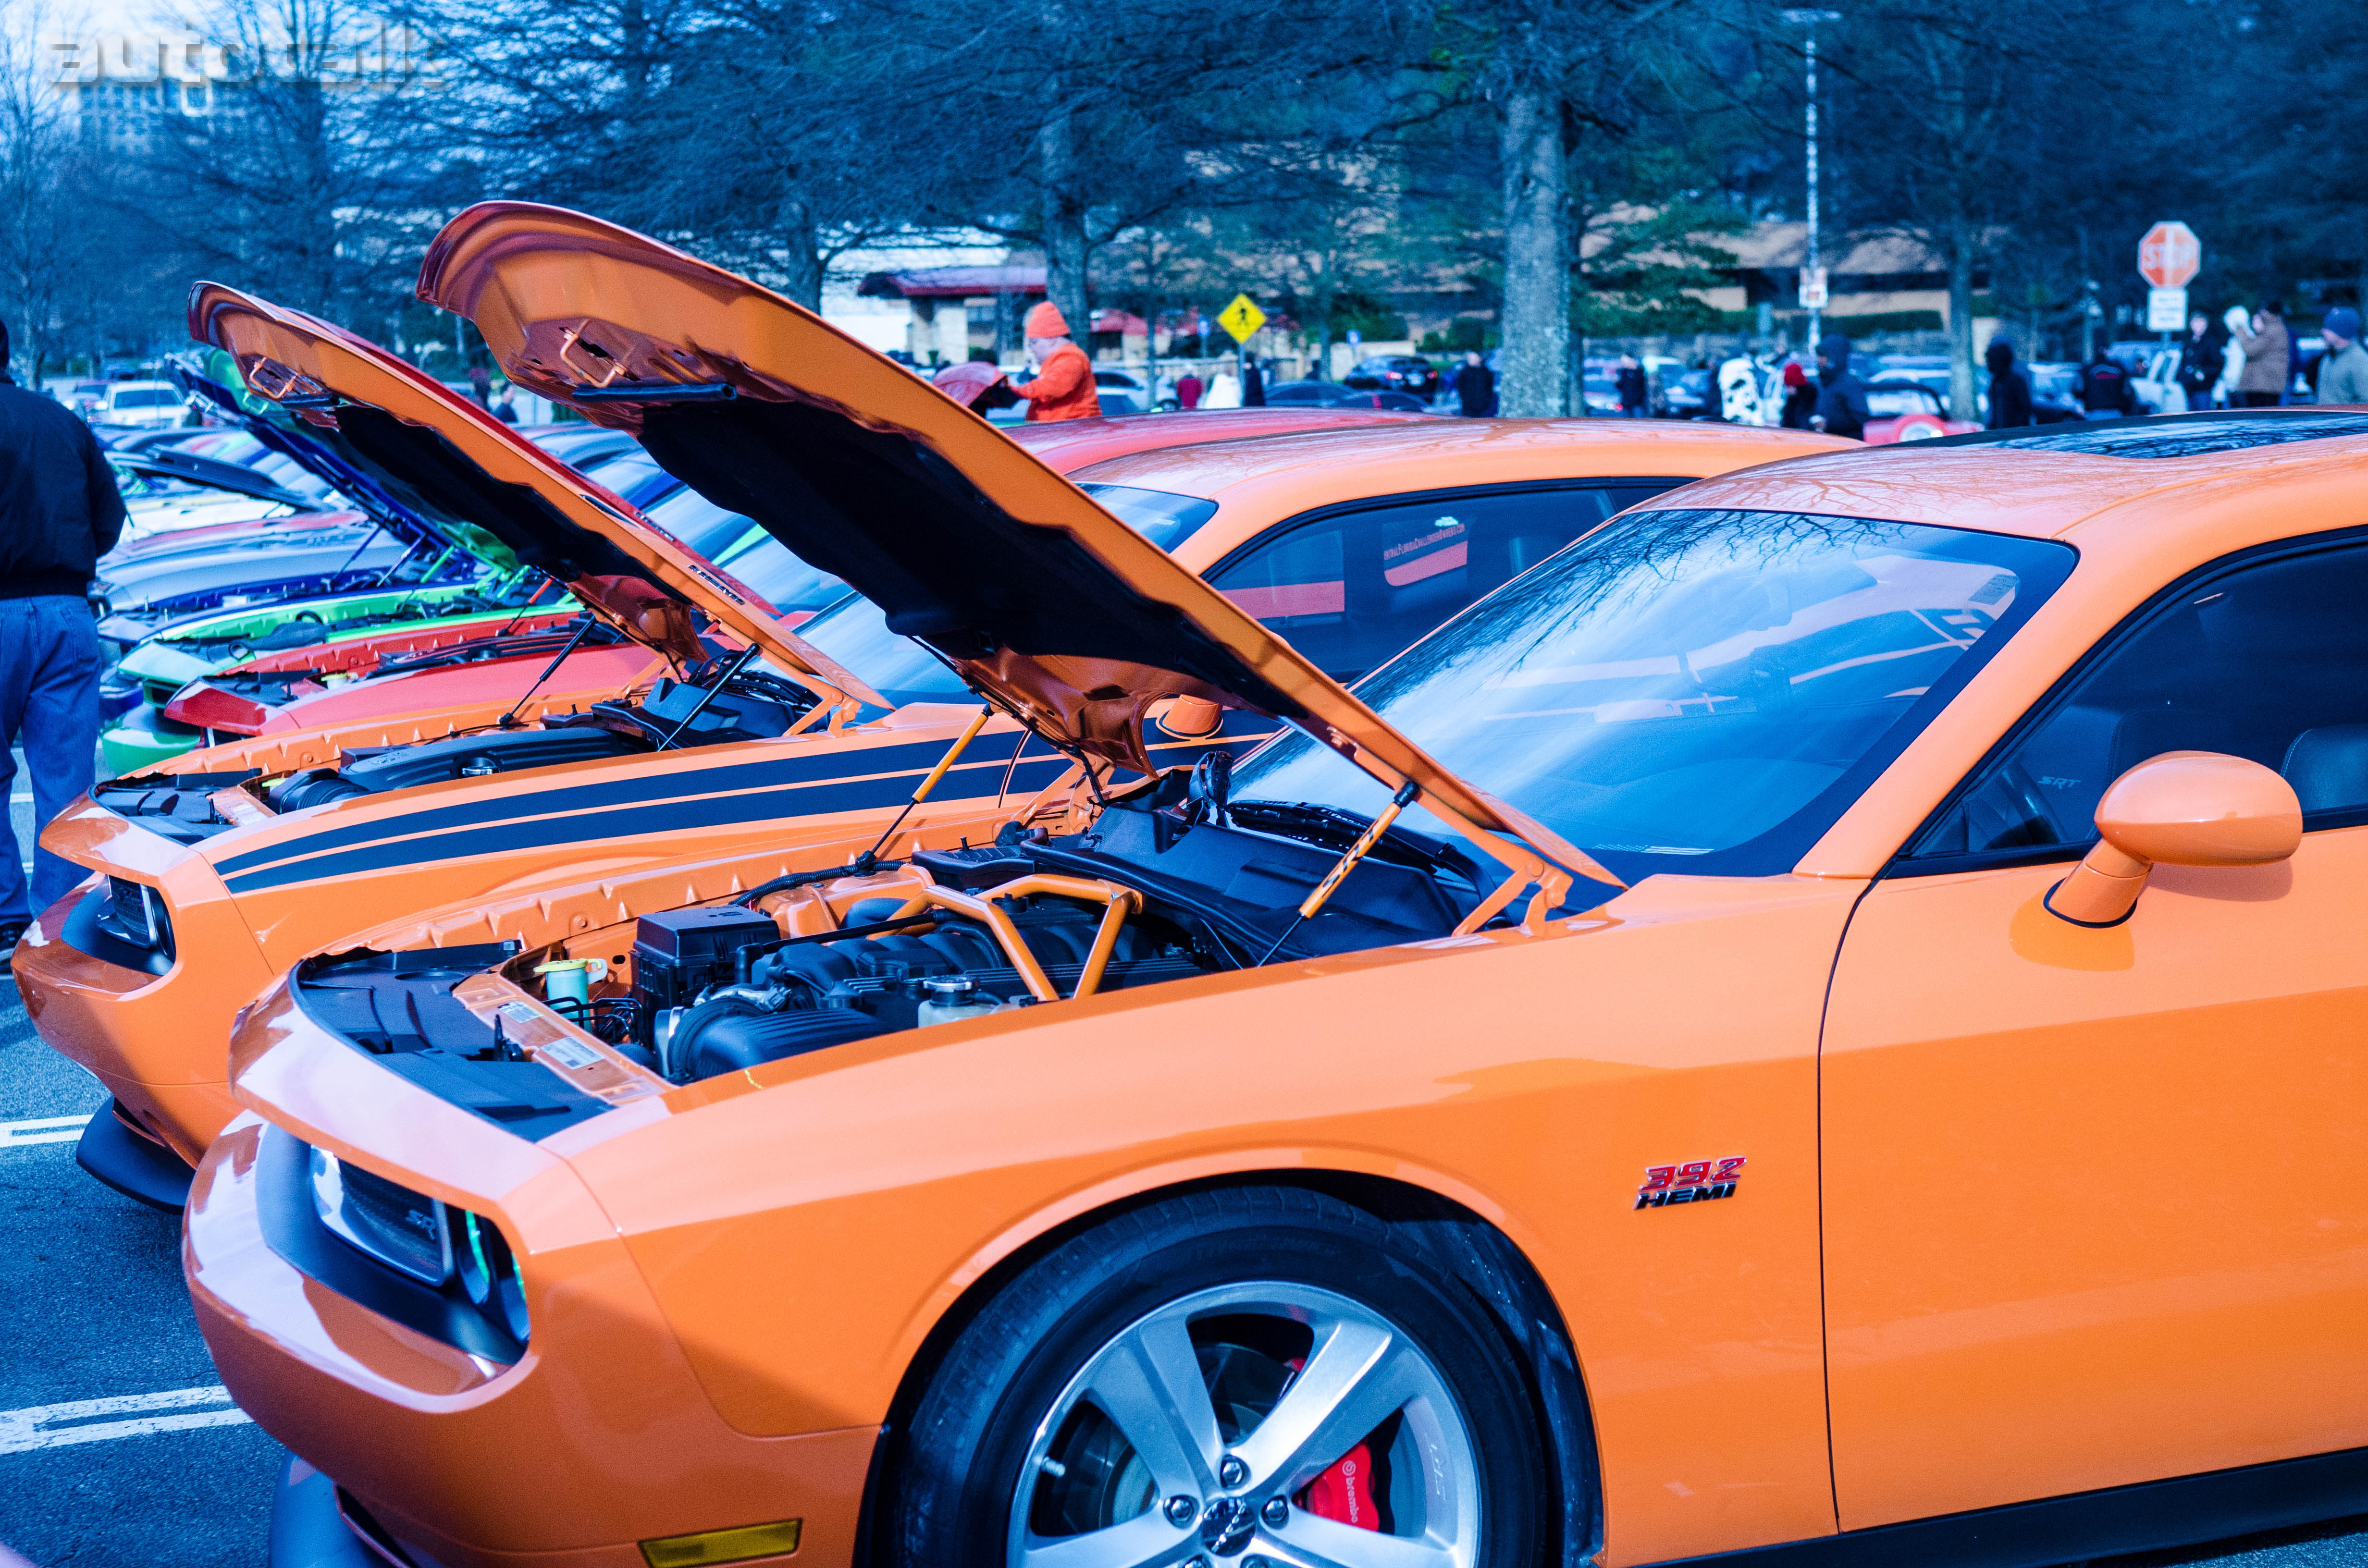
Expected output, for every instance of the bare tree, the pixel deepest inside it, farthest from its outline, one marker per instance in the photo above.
(307, 179)
(51, 231)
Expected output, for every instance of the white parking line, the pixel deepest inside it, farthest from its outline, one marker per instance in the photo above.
(43, 1130)
(60, 1425)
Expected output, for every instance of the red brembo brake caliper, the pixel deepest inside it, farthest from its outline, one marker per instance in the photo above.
(1345, 1493)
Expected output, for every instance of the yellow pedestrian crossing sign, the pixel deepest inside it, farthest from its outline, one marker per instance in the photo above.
(1241, 318)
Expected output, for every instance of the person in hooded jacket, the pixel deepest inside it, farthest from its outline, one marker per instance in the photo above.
(1841, 397)
(1064, 387)
(1800, 399)
(2009, 393)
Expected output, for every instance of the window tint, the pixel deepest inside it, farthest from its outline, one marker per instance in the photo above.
(2267, 662)
(1164, 518)
(1351, 590)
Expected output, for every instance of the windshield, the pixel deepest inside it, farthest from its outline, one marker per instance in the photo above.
(1694, 691)
(854, 631)
(787, 584)
(1165, 518)
(700, 523)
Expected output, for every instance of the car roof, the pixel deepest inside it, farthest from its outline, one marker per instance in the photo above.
(1258, 482)
(2186, 474)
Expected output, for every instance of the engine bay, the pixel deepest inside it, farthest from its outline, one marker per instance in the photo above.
(714, 703)
(1164, 883)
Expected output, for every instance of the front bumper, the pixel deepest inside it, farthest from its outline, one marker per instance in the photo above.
(160, 1043)
(307, 1530)
(133, 1161)
(600, 1438)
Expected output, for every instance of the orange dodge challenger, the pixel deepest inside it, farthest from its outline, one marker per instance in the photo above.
(1673, 1071)
(1355, 540)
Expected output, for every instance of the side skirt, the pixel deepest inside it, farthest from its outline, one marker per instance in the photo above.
(2185, 1511)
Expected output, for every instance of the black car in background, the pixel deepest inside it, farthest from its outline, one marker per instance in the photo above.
(1406, 373)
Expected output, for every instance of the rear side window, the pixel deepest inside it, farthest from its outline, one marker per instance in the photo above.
(1164, 518)
(2267, 660)
(1351, 589)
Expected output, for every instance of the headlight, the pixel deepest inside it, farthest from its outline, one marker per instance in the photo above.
(403, 1229)
(434, 1243)
(135, 914)
(489, 1272)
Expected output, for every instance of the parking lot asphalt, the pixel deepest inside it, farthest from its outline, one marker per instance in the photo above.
(117, 1449)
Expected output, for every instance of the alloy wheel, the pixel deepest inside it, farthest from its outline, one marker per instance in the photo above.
(1264, 1421)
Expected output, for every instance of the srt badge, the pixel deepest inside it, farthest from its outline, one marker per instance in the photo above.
(1696, 1183)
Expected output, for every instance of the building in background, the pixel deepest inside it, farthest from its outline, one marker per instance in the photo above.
(121, 88)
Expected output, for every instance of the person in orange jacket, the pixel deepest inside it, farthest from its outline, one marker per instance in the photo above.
(1064, 387)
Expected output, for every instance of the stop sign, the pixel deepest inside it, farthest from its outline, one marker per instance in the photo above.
(2169, 255)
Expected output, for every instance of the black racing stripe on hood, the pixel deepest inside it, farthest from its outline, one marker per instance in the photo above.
(976, 781)
(909, 531)
(889, 759)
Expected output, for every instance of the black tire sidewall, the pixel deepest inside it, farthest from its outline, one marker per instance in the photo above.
(955, 1472)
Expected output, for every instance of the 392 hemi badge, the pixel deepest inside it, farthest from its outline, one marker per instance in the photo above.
(1696, 1183)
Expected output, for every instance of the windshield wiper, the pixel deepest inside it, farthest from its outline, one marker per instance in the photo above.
(1336, 828)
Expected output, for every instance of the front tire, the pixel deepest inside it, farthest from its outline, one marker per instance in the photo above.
(1240, 1372)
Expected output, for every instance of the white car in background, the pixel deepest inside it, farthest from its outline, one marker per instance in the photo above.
(136, 405)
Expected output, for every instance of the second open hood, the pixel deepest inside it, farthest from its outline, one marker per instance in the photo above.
(1027, 588)
(440, 456)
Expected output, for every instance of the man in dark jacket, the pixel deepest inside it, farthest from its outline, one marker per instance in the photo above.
(2009, 393)
(2105, 389)
(1253, 385)
(1841, 397)
(1475, 388)
(59, 512)
(1636, 395)
(2201, 360)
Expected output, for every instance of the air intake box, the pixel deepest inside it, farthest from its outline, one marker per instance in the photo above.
(680, 953)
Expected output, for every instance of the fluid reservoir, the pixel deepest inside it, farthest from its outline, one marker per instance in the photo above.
(569, 981)
(952, 998)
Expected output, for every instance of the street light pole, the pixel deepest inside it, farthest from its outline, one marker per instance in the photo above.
(1809, 56)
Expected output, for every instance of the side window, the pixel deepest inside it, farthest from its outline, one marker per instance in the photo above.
(2267, 662)
(1351, 590)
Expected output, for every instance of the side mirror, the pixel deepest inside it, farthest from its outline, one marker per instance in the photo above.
(2183, 808)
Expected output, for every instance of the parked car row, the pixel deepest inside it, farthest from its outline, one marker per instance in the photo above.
(792, 974)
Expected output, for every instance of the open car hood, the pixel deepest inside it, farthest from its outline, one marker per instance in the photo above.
(439, 455)
(1034, 594)
(211, 379)
(164, 462)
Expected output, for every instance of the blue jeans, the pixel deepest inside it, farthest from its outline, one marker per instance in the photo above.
(48, 695)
